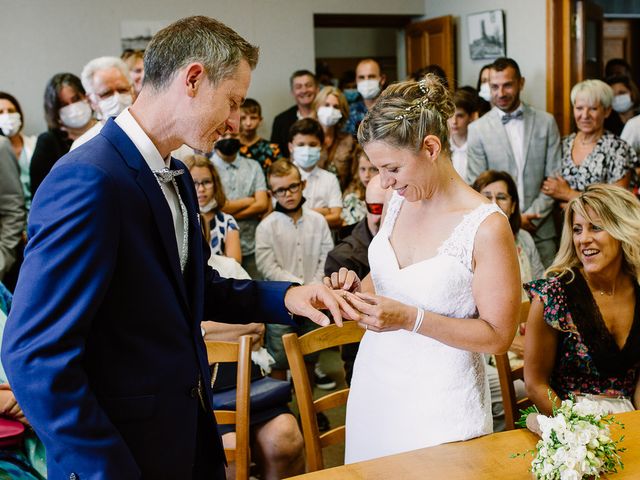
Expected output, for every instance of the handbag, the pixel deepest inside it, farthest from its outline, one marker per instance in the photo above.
(265, 393)
(11, 433)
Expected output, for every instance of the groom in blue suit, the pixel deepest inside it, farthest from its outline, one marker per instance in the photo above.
(103, 346)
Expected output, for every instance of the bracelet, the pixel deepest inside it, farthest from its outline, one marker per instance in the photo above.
(419, 318)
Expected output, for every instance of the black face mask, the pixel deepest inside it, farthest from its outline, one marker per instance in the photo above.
(228, 146)
(281, 209)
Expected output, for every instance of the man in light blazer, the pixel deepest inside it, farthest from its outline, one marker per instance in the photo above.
(523, 141)
(103, 346)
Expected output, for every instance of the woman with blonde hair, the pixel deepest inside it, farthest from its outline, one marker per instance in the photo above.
(443, 288)
(592, 154)
(583, 330)
(224, 234)
(332, 111)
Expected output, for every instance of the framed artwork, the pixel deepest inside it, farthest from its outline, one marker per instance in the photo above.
(486, 35)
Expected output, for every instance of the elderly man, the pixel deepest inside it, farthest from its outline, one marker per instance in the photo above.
(525, 142)
(370, 82)
(103, 346)
(352, 253)
(109, 90)
(304, 88)
(12, 209)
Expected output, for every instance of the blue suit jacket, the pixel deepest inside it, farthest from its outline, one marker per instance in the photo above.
(103, 344)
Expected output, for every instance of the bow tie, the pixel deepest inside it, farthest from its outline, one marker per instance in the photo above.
(166, 175)
(507, 117)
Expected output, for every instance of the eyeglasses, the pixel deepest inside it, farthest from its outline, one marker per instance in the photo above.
(499, 197)
(375, 208)
(204, 183)
(293, 188)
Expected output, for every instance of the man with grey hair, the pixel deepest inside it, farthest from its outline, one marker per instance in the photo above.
(103, 346)
(109, 90)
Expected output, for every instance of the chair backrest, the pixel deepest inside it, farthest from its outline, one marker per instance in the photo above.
(296, 348)
(507, 375)
(241, 353)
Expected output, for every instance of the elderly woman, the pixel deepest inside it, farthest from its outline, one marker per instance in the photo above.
(500, 188)
(444, 285)
(592, 154)
(583, 331)
(68, 116)
(332, 112)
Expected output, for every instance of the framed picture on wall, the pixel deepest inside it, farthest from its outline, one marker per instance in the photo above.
(486, 35)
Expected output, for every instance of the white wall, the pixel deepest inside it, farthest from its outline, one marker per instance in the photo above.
(526, 39)
(44, 37)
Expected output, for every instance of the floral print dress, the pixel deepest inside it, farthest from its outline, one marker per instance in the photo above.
(608, 162)
(588, 360)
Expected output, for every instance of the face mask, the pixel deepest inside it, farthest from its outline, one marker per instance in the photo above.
(329, 116)
(485, 91)
(10, 123)
(369, 89)
(209, 206)
(76, 115)
(281, 209)
(622, 103)
(228, 146)
(306, 157)
(351, 94)
(114, 105)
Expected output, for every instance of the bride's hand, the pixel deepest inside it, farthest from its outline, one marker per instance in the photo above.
(382, 314)
(343, 279)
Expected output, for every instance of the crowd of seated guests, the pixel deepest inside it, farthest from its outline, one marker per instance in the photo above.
(272, 208)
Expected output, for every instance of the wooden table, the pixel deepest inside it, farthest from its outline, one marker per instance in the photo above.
(482, 458)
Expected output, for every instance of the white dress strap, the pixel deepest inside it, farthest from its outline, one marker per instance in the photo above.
(391, 215)
(460, 243)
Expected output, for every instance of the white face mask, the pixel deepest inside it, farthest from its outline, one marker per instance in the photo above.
(329, 116)
(75, 115)
(10, 123)
(622, 103)
(209, 206)
(485, 91)
(114, 105)
(306, 157)
(369, 89)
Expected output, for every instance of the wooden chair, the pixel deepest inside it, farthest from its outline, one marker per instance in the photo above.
(239, 352)
(507, 375)
(296, 348)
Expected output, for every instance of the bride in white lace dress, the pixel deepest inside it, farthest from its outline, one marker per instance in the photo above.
(444, 287)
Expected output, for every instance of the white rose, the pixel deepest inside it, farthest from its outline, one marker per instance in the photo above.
(569, 475)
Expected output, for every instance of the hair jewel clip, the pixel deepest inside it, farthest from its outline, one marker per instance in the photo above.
(422, 103)
(423, 86)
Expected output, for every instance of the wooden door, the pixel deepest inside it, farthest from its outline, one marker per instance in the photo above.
(588, 40)
(432, 42)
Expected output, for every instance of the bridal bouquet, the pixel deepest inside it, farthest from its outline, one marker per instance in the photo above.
(575, 443)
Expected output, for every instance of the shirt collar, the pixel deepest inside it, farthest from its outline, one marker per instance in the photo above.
(220, 163)
(304, 174)
(143, 143)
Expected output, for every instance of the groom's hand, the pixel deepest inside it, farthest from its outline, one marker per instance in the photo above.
(307, 300)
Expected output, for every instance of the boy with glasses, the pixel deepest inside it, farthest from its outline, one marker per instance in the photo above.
(292, 245)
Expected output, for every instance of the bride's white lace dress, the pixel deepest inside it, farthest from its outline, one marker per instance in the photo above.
(409, 391)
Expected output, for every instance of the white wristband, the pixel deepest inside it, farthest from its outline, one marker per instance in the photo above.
(419, 318)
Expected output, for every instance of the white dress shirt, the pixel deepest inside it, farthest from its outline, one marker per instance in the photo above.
(293, 251)
(153, 159)
(515, 133)
(322, 189)
(459, 158)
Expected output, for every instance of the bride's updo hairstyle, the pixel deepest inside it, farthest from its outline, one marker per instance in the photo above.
(406, 112)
